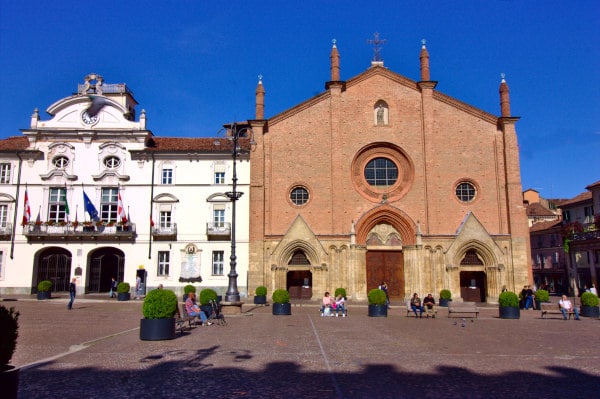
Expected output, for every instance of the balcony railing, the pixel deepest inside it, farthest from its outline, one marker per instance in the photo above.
(165, 233)
(80, 232)
(5, 231)
(590, 232)
(218, 231)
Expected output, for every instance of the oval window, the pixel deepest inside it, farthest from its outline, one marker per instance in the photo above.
(112, 162)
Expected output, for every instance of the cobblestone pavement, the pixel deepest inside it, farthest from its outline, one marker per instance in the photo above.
(94, 351)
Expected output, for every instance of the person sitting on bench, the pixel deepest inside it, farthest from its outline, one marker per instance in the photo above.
(415, 304)
(566, 306)
(193, 309)
(429, 305)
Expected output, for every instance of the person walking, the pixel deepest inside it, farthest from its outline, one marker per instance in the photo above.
(138, 287)
(113, 288)
(383, 286)
(72, 292)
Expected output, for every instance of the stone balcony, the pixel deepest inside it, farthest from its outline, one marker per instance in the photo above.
(82, 232)
(165, 233)
(218, 231)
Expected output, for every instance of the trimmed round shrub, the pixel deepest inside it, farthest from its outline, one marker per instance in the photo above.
(508, 299)
(281, 296)
(445, 294)
(123, 287)
(44, 286)
(542, 296)
(589, 299)
(189, 288)
(9, 326)
(340, 291)
(261, 290)
(207, 295)
(159, 304)
(377, 297)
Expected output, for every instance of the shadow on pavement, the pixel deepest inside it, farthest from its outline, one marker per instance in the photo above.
(190, 374)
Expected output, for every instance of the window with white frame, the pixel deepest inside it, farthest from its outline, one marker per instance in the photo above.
(3, 216)
(219, 216)
(109, 204)
(219, 174)
(167, 175)
(4, 173)
(57, 204)
(163, 263)
(165, 220)
(218, 263)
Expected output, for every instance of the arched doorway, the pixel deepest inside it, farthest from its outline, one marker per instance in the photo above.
(104, 264)
(385, 230)
(53, 264)
(473, 282)
(299, 277)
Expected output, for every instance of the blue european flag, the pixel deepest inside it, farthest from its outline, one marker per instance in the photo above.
(90, 208)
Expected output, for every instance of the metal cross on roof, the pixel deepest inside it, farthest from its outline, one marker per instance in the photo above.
(376, 46)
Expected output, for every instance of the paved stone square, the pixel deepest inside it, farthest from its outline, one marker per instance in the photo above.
(94, 351)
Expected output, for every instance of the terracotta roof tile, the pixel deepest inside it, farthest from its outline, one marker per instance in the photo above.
(593, 185)
(186, 144)
(14, 143)
(586, 196)
(545, 226)
(537, 209)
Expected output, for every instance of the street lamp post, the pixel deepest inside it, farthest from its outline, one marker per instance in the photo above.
(232, 294)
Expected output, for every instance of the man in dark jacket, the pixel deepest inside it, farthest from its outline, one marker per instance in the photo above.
(72, 291)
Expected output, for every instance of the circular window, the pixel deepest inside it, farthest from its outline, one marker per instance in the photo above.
(381, 172)
(299, 195)
(112, 162)
(60, 162)
(465, 192)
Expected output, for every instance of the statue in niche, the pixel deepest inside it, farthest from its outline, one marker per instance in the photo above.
(380, 115)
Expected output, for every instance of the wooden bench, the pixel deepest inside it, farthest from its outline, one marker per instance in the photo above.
(409, 311)
(463, 308)
(181, 318)
(553, 308)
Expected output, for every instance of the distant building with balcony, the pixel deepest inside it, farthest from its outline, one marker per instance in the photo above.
(91, 193)
(581, 228)
(565, 250)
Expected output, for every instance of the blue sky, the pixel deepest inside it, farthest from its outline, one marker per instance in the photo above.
(193, 65)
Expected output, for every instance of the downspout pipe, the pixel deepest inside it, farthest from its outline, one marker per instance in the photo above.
(151, 209)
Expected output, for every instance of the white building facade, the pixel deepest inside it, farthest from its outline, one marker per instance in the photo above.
(156, 206)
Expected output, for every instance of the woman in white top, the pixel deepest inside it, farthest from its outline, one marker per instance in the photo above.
(340, 305)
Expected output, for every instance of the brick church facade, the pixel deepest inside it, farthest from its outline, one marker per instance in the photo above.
(382, 178)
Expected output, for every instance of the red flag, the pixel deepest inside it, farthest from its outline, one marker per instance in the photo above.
(26, 210)
(121, 210)
(151, 222)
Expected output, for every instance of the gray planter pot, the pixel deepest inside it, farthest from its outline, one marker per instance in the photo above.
(282, 309)
(590, 311)
(41, 295)
(123, 296)
(508, 312)
(444, 302)
(157, 329)
(260, 300)
(9, 381)
(377, 310)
